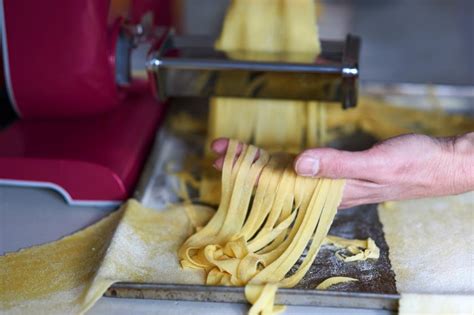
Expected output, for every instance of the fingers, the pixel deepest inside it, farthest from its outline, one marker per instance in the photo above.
(321, 162)
(220, 145)
(219, 163)
(332, 163)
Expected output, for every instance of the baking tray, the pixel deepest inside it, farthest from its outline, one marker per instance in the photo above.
(376, 288)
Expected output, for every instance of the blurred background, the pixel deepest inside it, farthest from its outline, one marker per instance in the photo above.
(416, 41)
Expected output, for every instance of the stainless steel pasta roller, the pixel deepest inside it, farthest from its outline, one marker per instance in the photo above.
(190, 66)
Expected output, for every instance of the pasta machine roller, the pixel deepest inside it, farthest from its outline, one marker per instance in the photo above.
(190, 66)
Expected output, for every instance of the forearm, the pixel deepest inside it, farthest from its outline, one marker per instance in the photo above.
(463, 162)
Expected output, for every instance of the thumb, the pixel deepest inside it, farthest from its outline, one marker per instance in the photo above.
(332, 163)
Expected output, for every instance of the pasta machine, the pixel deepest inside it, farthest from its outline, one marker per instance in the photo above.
(190, 66)
(86, 125)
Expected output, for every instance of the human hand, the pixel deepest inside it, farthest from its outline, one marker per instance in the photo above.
(405, 167)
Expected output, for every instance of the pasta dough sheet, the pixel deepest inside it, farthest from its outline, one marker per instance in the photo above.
(431, 243)
(270, 26)
(68, 276)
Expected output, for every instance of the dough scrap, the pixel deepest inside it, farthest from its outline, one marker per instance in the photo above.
(333, 281)
(183, 122)
(359, 249)
(259, 242)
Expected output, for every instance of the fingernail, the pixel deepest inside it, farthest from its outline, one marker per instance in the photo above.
(307, 166)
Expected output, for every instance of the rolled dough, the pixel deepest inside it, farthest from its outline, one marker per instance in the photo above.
(68, 276)
(431, 243)
(436, 304)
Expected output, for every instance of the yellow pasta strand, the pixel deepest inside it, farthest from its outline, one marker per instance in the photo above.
(231, 247)
(333, 281)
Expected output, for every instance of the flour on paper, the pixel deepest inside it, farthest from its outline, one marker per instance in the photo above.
(68, 276)
(431, 243)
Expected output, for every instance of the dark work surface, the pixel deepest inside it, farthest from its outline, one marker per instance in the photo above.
(375, 276)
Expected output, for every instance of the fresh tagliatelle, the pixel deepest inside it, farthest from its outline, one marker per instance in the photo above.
(286, 29)
(266, 218)
(275, 125)
(251, 30)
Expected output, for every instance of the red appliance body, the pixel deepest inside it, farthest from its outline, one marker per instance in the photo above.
(78, 132)
(60, 57)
